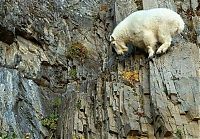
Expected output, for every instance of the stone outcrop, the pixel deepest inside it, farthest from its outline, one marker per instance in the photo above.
(60, 78)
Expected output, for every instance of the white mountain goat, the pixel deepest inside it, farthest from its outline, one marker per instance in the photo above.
(145, 28)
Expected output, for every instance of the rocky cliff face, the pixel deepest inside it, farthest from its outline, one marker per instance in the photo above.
(59, 77)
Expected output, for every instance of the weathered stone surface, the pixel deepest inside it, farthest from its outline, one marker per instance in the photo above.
(21, 105)
(42, 74)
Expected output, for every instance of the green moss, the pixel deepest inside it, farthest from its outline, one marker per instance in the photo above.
(165, 90)
(74, 137)
(78, 137)
(179, 133)
(57, 101)
(135, 94)
(78, 51)
(78, 104)
(141, 100)
(8, 135)
(73, 73)
(50, 122)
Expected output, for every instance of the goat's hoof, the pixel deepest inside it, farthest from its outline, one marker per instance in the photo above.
(151, 56)
(163, 50)
(159, 51)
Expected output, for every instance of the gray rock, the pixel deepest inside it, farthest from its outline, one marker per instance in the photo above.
(84, 87)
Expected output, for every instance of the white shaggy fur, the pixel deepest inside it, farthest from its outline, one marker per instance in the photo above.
(145, 28)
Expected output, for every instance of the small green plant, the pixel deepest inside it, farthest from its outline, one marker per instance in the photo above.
(74, 137)
(165, 90)
(77, 50)
(141, 100)
(8, 135)
(73, 73)
(179, 133)
(57, 102)
(135, 94)
(78, 137)
(78, 104)
(50, 122)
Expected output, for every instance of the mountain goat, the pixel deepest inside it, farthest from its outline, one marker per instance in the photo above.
(145, 29)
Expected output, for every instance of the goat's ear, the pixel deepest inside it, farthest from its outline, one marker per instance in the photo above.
(111, 38)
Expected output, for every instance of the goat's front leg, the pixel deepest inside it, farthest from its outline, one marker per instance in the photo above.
(164, 38)
(164, 47)
(150, 43)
